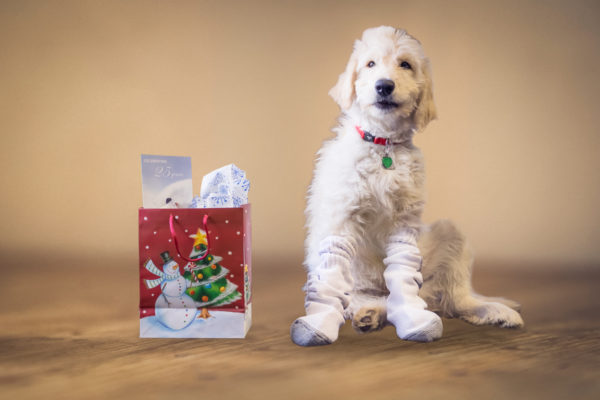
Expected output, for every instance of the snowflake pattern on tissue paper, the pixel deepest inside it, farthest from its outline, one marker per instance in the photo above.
(224, 187)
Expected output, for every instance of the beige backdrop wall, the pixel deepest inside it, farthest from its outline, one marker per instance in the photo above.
(86, 86)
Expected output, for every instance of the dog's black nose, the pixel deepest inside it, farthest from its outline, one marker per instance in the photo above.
(384, 87)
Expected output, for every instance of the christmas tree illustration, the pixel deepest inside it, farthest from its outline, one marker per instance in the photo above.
(208, 283)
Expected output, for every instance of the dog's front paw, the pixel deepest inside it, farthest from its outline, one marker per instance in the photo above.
(491, 313)
(368, 319)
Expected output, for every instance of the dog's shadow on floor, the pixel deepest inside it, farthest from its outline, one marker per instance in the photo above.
(458, 336)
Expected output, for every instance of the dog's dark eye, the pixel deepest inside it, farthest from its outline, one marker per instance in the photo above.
(405, 65)
(371, 64)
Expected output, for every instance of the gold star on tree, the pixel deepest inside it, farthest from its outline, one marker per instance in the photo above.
(200, 237)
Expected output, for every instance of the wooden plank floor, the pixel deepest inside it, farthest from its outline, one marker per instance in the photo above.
(68, 329)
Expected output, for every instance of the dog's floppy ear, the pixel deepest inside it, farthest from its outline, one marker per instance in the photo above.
(425, 111)
(343, 91)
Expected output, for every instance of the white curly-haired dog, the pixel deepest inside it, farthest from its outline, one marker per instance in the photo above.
(368, 255)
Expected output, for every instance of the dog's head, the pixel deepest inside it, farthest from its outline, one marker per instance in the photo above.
(388, 78)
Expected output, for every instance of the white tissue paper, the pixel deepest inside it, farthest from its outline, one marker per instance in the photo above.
(223, 187)
(196, 202)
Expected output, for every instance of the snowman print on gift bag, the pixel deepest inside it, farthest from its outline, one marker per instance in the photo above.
(174, 308)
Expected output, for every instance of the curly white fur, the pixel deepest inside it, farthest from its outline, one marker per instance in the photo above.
(353, 196)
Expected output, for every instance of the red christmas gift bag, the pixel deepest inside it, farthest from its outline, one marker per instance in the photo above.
(195, 272)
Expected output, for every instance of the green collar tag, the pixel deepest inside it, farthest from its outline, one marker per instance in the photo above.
(386, 162)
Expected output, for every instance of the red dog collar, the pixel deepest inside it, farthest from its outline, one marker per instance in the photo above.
(367, 137)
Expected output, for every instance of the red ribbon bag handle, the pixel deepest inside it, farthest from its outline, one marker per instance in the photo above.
(174, 237)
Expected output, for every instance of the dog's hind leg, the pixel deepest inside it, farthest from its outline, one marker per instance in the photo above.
(507, 302)
(367, 312)
(447, 263)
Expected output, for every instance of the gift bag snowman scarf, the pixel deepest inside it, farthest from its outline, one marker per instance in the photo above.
(164, 277)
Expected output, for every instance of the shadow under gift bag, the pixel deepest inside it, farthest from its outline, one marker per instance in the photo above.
(195, 272)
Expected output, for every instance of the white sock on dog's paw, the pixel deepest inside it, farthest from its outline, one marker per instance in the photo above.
(317, 329)
(416, 325)
(327, 294)
(405, 309)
